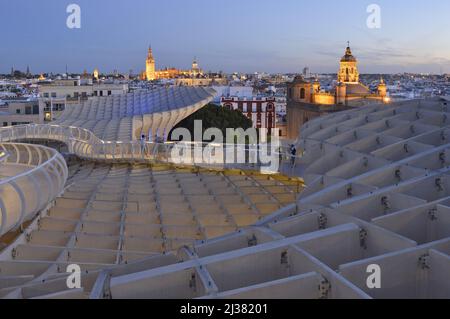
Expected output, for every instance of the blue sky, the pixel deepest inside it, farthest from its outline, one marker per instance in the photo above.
(228, 35)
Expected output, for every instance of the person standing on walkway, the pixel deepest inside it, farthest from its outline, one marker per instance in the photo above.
(142, 145)
(293, 155)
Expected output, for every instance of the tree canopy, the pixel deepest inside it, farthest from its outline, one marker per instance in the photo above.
(214, 116)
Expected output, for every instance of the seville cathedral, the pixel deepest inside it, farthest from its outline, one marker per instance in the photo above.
(307, 100)
(151, 74)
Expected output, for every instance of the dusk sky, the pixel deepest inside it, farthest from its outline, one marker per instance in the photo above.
(228, 35)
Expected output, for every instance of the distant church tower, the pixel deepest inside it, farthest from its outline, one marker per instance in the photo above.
(382, 88)
(348, 72)
(96, 74)
(150, 73)
(195, 68)
(195, 64)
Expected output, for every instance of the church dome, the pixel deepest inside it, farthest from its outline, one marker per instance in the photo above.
(348, 57)
(299, 80)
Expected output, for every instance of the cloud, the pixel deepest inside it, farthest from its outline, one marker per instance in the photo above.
(376, 54)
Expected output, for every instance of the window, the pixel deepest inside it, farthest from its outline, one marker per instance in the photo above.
(95, 93)
(27, 110)
(5, 123)
(53, 94)
(290, 93)
(46, 95)
(17, 111)
(101, 93)
(109, 93)
(36, 109)
(302, 93)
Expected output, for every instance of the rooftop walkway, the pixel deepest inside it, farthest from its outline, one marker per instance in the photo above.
(377, 193)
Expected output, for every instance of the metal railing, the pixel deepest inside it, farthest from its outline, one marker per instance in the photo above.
(38, 173)
(31, 176)
(87, 145)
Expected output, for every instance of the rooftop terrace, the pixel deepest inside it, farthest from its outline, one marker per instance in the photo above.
(377, 192)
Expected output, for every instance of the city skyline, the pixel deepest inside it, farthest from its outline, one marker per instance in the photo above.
(225, 36)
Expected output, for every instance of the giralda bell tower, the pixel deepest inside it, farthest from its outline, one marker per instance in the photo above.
(150, 66)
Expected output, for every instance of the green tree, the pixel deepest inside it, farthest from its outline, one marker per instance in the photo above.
(213, 116)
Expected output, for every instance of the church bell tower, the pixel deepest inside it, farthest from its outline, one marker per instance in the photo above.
(150, 73)
(348, 72)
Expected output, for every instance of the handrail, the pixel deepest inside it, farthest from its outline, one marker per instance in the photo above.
(27, 193)
(45, 179)
(86, 144)
(54, 157)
